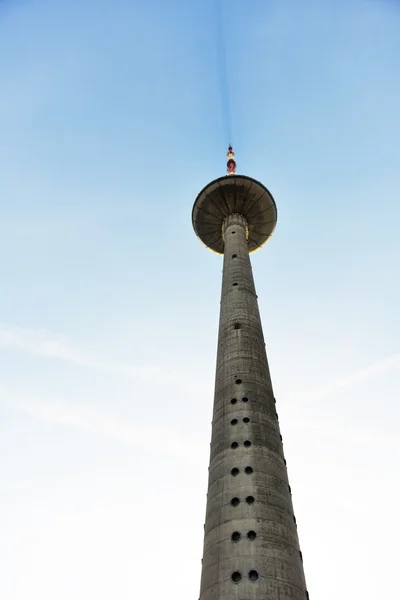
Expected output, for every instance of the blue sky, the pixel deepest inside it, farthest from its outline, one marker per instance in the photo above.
(111, 123)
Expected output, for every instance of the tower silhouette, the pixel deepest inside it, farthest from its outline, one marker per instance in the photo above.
(251, 547)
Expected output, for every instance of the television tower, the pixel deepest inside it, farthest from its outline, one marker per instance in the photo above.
(251, 547)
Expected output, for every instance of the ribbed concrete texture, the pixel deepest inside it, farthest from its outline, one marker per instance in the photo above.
(251, 547)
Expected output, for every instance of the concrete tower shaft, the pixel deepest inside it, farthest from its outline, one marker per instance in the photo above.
(251, 548)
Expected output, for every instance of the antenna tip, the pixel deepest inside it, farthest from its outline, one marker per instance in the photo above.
(231, 164)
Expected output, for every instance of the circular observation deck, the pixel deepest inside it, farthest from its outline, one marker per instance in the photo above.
(234, 194)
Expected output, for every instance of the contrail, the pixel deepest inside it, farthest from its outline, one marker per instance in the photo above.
(42, 343)
(382, 366)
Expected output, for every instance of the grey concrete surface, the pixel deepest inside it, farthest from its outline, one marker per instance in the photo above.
(251, 547)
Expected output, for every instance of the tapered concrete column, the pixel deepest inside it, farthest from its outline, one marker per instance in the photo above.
(251, 547)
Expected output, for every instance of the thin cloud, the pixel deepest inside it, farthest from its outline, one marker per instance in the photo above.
(380, 367)
(162, 440)
(42, 343)
(341, 431)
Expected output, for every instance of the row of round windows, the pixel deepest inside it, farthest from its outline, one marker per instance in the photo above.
(244, 399)
(246, 444)
(235, 471)
(237, 576)
(236, 535)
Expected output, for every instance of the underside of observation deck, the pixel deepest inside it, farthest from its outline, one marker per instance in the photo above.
(229, 195)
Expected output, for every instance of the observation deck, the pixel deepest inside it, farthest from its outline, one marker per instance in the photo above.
(234, 194)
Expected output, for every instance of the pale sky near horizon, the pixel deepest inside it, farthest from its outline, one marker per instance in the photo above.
(110, 124)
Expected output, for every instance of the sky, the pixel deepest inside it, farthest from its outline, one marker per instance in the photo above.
(113, 116)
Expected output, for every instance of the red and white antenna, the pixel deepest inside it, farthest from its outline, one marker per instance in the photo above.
(231, 164)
